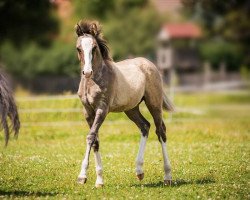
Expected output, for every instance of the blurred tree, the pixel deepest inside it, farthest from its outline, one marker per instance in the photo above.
(31, 60)
(134, 36)
(226, 19)
(25, 20)
(130, 25)
(94, 8)
(218, 52)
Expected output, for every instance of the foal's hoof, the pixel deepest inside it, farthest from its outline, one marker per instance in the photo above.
(167, 182)
(98, 185)
(140, 176)
(81, 180)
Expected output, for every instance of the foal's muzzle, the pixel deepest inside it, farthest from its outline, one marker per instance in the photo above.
(87, 74)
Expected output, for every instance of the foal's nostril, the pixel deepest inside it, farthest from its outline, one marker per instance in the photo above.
(87, 74)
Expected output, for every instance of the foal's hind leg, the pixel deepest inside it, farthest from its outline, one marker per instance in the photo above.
(156, 112)
(135, 115)
(167, 166)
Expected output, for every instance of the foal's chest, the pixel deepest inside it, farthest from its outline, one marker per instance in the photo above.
(92, 95)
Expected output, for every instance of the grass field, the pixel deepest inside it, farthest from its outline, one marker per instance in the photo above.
(208, 144)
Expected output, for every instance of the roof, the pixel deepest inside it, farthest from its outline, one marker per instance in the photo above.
(180, 30)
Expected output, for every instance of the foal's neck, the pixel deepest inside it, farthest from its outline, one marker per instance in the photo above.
(98, 72)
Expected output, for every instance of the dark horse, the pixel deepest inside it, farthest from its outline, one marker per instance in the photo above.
(8, 108)
(107, 86)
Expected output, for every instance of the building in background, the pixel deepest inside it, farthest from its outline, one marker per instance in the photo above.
(177, 41)
(178, 53)
(177, 50)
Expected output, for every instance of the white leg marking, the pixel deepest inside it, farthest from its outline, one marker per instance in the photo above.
(85, 163)
(167, 167)
(140, 159)
(99, 170)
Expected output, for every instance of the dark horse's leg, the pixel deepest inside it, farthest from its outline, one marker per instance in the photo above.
(135, 115)
(94, 119)
(155, 108)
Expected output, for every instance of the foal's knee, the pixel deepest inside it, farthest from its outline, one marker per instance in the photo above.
(91, 138)
(96, 146)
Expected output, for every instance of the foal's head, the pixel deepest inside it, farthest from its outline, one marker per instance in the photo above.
(92, 49)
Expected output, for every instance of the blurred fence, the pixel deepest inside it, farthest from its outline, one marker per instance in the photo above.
(200, 78)
(186, 83)
(51, 84)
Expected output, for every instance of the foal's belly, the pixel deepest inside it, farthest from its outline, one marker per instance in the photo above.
(124, 103)
(129, 89)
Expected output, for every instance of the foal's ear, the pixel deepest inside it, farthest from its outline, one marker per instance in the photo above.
(78, 30)
(94, 29)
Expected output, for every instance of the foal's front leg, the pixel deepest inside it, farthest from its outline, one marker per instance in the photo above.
(98, 164)
(92, 139)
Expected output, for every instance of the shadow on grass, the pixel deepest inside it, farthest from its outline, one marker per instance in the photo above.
(202, 181)
(21, 193)
(178, 183)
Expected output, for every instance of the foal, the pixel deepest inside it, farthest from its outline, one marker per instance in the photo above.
(107, 86)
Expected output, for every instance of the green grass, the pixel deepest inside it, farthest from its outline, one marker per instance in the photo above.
(209, 152)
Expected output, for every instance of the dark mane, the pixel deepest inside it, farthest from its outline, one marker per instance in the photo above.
(93, 28)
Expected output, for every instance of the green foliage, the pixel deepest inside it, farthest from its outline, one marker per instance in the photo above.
(61, 59)
(94, 8)
(33, 60)
(102, 9)
(245, 72)
(217, 52)
(225, 19)
(130, 26)
(24, 20)
(133, 36)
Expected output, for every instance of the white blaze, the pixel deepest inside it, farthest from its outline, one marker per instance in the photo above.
(87, 44)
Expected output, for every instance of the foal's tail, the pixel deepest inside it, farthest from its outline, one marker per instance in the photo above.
(167, 104)
(8, 108)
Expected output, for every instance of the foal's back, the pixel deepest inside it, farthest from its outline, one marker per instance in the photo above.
(133, 79)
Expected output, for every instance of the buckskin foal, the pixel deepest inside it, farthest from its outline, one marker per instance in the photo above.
(107, 86)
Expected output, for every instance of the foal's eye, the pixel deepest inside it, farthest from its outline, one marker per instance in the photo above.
(93, 49)
(78, 49)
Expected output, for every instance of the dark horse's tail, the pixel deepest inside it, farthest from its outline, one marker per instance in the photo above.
(8, 108)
